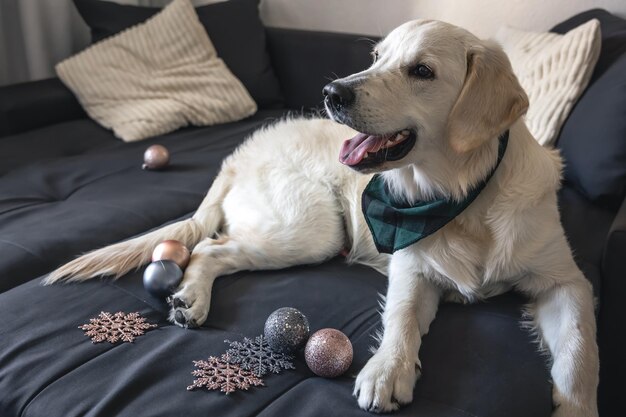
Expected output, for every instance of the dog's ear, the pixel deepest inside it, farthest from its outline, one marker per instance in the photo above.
(490, 101)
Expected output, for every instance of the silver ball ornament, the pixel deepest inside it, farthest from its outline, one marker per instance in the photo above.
(328, 353)
(286, 330)
(161, 278)
(156, 157)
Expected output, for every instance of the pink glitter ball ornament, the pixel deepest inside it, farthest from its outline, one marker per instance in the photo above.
(328, 353)
(156, 157)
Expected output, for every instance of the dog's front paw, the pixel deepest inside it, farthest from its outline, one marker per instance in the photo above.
(386, 382)
(188, 308)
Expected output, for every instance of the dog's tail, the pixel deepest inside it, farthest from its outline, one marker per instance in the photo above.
(118, 259)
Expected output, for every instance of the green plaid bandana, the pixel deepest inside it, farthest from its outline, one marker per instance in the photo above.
(395, 226)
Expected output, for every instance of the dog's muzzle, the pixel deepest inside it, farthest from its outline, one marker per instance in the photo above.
(338, 96)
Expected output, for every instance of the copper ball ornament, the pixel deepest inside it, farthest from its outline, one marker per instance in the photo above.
(156, 157)
(286, 330)
(328, 353)
(161, 278)
(172, 250)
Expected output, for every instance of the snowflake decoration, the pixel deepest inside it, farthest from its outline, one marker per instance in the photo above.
(115, 327)
(219, 373)
(256, 355)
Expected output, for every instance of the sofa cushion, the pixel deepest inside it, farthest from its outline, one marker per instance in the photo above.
(477, 360)
(156, 77)
(593, 138)
(553, 69)
(61, 140)
(60, 201)
(234, 27)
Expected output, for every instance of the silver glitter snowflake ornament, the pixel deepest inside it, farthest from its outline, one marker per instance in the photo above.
(220, 374)
(116, 327)
(256, 355)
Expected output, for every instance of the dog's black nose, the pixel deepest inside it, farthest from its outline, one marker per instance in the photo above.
(338, 94)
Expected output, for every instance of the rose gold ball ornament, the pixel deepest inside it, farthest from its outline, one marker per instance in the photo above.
(328, 353)
(171, 250)
(156, 157)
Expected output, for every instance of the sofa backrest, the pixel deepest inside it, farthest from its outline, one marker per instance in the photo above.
(305, 61)
(593, 138)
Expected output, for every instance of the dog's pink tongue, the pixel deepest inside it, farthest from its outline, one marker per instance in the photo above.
(354, 150)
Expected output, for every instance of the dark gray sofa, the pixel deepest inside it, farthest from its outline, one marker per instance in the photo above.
(68, 186)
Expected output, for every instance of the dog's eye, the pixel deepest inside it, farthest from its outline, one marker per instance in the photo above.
(422, 71)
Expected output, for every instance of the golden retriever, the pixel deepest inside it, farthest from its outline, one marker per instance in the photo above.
(426, 116)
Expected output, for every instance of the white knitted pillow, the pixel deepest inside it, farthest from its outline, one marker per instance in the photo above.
(156, 77)
(554, 70)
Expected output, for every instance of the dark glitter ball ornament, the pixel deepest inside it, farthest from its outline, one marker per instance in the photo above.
(161, 278)
(328, 353)
(286, 330)
(156, 157)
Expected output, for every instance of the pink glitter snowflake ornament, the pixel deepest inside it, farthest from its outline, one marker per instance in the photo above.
(116, 327)
(220, 374)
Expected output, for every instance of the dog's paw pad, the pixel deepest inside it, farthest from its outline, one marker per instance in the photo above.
(177, 302)
(182, 317)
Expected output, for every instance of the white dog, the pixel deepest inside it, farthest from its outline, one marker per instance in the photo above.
(434, 107)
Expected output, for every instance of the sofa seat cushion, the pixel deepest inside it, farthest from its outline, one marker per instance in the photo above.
(477, 360)
(59, 204)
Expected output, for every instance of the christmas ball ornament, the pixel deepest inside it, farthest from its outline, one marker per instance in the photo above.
(286, 330)
(328, 353)
(161, 278)
(156, 157)
(172, 250)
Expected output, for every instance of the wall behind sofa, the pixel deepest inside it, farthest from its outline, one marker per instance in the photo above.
(377, 17)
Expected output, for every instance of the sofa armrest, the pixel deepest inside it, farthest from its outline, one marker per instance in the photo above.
(305, 61)
(36, 104)
(614, 258)
(611, 325)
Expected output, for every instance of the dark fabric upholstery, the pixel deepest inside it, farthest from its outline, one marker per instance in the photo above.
(586, 226)
(35, 104)
(612, 326)
(302, 78)
(593, 138)
(60, 140)
(234, 27)
(59, 201)
(477, 360)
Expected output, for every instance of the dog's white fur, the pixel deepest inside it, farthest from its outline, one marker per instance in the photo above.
(283, 199)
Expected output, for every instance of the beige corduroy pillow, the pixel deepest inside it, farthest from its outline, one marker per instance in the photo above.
(554, 70)
(156, 77)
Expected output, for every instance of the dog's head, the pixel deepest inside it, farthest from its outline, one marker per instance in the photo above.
(432, 88)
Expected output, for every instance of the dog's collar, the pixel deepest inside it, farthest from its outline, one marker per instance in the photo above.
(395, 226)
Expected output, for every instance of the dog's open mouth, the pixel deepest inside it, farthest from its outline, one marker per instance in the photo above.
(364, 150)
